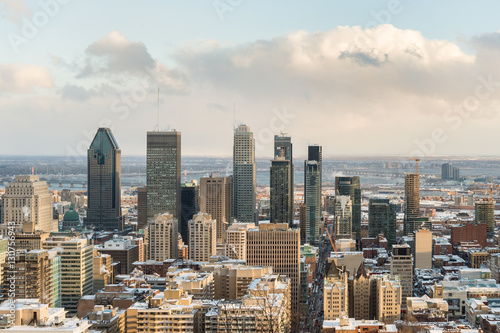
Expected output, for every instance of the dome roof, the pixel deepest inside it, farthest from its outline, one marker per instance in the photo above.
(71, 215)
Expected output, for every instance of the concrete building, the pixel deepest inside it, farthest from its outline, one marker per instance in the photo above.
(388, 299)
(28, 202)
(122, 250)
(412, 202)
(202, 237)
(103, 273)
(244, 175)
(360, 295)
(76, 269)
(236, 240)
(30, 315)
(312, 201)
(216, 200)
(278, 246)
(423, 249)
(485, 214)
(163, 238)
(37, 275)
(163, 179)
(402, 267)
(336, 293)
(189, 206)
(343, 217)
(107, 319)
(351, 325)
(104, 183)
(494, 266)
(449, 172)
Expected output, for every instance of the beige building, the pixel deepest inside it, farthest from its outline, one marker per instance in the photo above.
(103, 274)
(335, 292)
(30, 241)
(360, 295)
(231, 281)
(198, 284)
(402, 267)
(236, 240)
(202, 237)
(215, 199)
(76, 268)
(278, 246)
(32, 316)
(107, 319)
(388, 299)
(266, 308)
(28, 202)
(423, 249)
(163, 238)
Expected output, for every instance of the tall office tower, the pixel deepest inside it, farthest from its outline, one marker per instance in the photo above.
(37, 275)
(189, 206)
(312, 200)
(236, 240)
(280, 188)
(302, 223)
(28, 202)
(216, 200)
(382, 219)
(449, 172)
(351, 186)
(343, 217)
(285, 142)
(103, 179)
(315, 153)
(76, 269)
(485, 213)
(277, 245)
(163, 238)
(142, 207)
(336, 301)
(402, 266)
(423, 249)
(163, 173)
(202, 237)
(412, 202)
(244, 173)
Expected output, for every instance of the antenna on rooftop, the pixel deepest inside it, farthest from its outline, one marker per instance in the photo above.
(158, 112)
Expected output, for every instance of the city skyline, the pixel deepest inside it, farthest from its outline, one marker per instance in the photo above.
(328, 68)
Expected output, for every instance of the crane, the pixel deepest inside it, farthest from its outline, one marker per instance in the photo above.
(331, 241)
(416, 160)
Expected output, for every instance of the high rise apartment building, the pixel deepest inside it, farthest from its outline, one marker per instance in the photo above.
(163, 238)
(202, 237)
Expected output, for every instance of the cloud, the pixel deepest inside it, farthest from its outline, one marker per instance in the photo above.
(15, 9)
(21, 78)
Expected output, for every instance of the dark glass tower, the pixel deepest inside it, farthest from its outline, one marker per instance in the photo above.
(189, 207)
(315, 153)
(280, 187)
(164, 173)
(312, 200)
(284, 143)
(103, 179)
(382, 219)
(351, 186)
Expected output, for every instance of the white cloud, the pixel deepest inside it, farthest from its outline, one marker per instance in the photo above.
(22, 78)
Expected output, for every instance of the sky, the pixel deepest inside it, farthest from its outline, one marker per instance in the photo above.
(395, 77)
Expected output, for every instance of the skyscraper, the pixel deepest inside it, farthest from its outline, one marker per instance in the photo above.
(423, 249)
(103, 174)
(189, 206)
(312, 200)
(382, 219)
(244, 172)
(351, 186)
(449, 172)
(163, 238)
(343, 217)
(285, 142)
(164, 173)
(216, 200)
(142, 207)
(277, 245)
(28, 202)
(280, 188)
(412, 202)
(315, 153)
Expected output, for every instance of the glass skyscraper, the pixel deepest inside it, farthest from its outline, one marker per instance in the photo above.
(244, 173)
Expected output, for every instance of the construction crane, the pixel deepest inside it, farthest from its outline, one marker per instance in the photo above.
(416, 160)
(331, 241)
